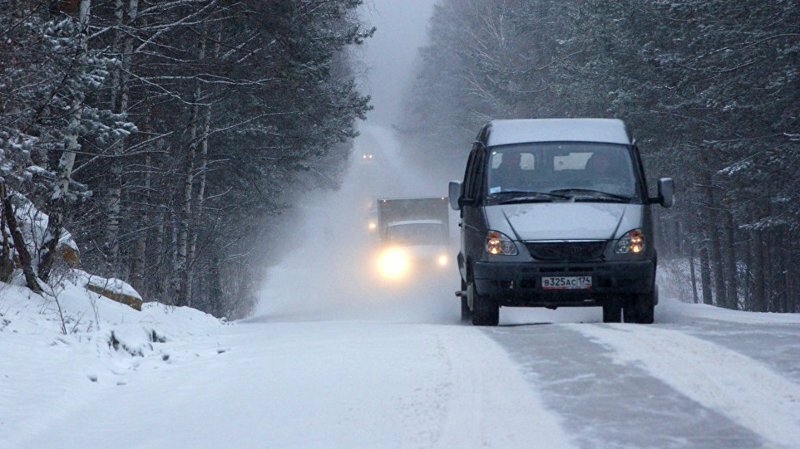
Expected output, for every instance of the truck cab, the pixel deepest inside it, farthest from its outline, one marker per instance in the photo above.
(556, 213)
(414, 237)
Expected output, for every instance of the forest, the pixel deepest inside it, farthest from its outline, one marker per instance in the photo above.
(710, 90)
(160, 139)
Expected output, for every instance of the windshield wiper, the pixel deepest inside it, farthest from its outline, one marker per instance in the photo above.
(524, 196)
(594, 194)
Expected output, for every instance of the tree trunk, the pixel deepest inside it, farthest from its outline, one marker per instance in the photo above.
(759, 282)
(705, 275)
(6, 253)
(793, 273)
(161, 249)
(114, 191)
(215, 294)
(60, 195)
(183, 270)
(785, 260)
(770, 271)
(732, 268)
(19, 243)
(140, 248)
(119, 105)
(201, 192)
(202, 173)
(695, 298)
(713, 239)
(182, 266)
(747, 284)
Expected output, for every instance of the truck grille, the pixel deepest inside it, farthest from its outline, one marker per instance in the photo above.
(567, 251)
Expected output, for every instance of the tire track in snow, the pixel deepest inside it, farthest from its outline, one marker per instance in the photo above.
(489, 402)
(735, 385)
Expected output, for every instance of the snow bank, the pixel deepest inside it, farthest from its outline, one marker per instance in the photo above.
(60, 348)
(72, 315)
(676, 302)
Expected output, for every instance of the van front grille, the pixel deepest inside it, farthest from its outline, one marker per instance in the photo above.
(567, 251)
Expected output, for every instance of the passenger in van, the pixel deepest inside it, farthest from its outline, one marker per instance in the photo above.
(510, 175)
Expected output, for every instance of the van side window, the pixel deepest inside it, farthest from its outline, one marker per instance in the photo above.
(472, 180)
(465, 189)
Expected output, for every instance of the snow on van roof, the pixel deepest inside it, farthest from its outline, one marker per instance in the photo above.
(505, 132)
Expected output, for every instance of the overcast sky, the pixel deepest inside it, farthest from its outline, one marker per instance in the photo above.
(389, 55)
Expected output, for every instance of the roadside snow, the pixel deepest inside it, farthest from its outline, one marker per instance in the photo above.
(45, 373)
(674, 311)
(737, 386)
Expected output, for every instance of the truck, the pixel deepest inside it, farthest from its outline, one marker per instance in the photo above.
(556, 213)
(413, 235)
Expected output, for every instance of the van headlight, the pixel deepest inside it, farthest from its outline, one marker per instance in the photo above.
(498, 243)
(631, 243)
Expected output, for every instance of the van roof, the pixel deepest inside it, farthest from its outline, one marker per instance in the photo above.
(504, 132)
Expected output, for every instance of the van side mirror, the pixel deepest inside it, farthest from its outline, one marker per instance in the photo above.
(454, 195)
(666, 192)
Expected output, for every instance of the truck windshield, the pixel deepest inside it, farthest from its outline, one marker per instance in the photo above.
(577, 170)
(416, 233)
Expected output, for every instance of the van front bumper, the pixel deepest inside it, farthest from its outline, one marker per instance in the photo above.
(520, 283)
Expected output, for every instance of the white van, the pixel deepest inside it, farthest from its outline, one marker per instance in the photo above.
(556, 213)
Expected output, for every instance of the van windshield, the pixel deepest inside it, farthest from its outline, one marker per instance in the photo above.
(562, 170)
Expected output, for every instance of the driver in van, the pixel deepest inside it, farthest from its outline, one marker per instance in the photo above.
(603, 172)
(599, 164)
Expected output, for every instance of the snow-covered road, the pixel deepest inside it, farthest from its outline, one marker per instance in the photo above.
(312, 384)
(691, 382)
(544, 379)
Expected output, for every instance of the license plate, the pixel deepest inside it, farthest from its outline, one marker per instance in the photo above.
(566, 282)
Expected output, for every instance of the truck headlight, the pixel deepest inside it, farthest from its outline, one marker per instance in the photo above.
(393, 263)
(498, 243)
(442, 260)
(631, 243)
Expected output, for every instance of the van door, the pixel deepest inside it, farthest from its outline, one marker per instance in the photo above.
(471, 217)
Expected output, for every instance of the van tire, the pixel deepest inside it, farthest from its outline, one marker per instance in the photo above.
(640, 308)
(612, 314)
(485, 312)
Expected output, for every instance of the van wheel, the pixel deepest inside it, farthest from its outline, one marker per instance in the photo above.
(466, 314)
(485, 312)
(640, 309)
(612, 314)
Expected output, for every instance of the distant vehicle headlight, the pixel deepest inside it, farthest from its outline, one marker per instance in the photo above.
(372, 226)
(393, 263)
(498, 243)
(631, 243)
(442, 260)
